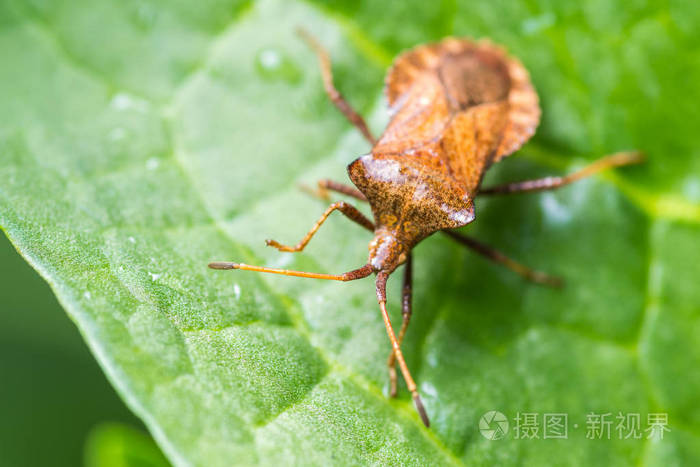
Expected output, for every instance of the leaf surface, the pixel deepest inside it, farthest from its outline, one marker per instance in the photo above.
(141, 140)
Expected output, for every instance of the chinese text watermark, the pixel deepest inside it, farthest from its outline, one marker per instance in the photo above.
(495, 425)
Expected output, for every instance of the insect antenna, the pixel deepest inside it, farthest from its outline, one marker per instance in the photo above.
(381, 298)
(355, 274)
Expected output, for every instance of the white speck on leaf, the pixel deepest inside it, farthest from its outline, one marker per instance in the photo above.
(691, 188)
(428, 389)
(538, 23)
(556, 212)
(270, 59)
(152, 163)
(282, 261)
(125, 101)
(117, 134)
(432, 359)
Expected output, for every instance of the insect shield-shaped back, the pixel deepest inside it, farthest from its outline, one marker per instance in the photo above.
(407, 200)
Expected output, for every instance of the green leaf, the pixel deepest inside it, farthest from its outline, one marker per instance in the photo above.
(141, 140)
(120, 445)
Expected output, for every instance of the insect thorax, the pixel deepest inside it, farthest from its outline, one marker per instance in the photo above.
(408, 199)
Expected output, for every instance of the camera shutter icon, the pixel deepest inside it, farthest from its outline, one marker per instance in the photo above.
(493, 425)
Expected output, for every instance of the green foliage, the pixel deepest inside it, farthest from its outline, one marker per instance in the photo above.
(52, 391)
(118, 445)
(141, 140)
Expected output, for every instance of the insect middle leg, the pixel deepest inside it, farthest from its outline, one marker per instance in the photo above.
(350, 212)
(498, 257)
(334, 95)
(406, 310)
(325, 185)
(550, 183)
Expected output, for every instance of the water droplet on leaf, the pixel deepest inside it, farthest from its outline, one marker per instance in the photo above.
(125, 101)
(274, 65)
(691, 188)
(554, 211)
(152, 163)
(539, 23)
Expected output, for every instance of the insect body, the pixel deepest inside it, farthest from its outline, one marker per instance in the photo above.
(457, 107)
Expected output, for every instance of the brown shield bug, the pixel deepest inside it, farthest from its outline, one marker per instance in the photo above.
(458, 106)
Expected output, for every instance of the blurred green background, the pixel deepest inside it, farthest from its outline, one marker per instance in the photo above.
(56, 406)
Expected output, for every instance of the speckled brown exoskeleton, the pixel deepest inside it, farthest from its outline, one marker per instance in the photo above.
(457, 107)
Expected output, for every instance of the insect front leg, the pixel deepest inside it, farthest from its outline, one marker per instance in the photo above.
(334, 95)
(396, 346)
(350, 212)
(550, 183)
(406, 310)
(498, 257)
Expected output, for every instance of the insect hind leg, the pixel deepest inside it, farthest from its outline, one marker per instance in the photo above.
(550, 183)
(498, 257)
(334, 95)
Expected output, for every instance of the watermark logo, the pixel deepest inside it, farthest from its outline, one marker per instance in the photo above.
(493, 425)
